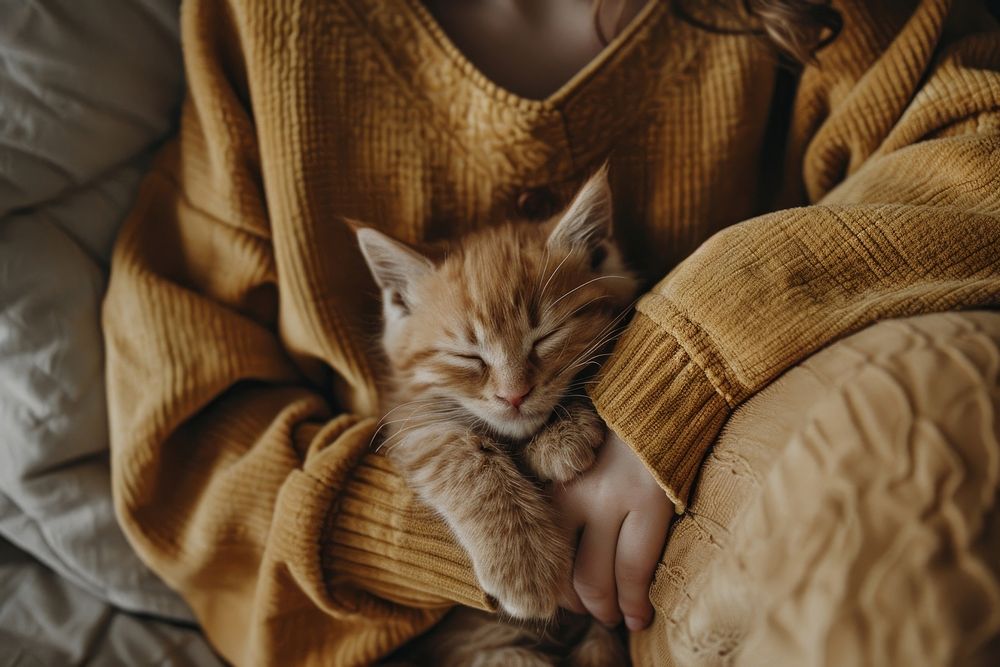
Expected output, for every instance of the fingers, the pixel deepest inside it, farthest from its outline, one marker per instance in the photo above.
(572, 524)
(594, 572)
(640, 543)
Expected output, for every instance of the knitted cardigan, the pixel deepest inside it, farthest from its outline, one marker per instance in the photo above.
(770, 214)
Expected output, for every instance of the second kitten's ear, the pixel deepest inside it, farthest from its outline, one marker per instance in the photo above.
(395, 266)
(587, 222)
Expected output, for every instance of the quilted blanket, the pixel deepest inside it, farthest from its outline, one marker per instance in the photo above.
(84, 98)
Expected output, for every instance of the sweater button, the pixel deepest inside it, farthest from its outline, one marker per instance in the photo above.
(537, 204)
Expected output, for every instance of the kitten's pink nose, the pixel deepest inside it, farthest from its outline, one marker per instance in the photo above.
(515, 397)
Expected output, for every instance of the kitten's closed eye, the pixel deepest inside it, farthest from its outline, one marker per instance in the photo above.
(466, 357)
(546, 342)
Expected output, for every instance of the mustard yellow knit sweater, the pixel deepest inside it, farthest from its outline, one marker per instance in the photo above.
(240, 318)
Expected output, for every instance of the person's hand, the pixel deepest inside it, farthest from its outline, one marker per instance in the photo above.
(624, 516)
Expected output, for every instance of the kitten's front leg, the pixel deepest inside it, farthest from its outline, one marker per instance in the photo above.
(566, 447)
(503, 521)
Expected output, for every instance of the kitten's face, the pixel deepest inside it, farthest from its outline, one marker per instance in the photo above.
(501, 327)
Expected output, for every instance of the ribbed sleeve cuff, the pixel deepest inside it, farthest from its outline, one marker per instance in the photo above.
(656, 398)
(391, 544)
(359, 541)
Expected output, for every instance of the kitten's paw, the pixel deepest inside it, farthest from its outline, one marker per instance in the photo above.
(537, 600)
(526, 582)
(560, 456)
(565, 448)
(521, 556)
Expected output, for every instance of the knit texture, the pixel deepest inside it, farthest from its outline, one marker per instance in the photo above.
(240, 318)
(847, 514)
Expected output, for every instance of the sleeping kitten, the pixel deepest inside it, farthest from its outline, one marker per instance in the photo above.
(486, 344)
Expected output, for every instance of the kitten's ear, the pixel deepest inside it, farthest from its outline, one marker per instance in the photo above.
(395, 266)
(587, 222)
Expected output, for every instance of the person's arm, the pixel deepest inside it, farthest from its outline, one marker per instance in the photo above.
(898, 129)
(240, 476)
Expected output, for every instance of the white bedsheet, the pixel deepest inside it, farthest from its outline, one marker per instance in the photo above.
(87, 90)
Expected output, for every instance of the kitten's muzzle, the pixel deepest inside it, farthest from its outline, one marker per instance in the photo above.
(516, 397)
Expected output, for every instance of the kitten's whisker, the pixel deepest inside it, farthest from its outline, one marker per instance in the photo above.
(575, 396)
(607, 328)
(606, 333)
(542, 272)
(382, 422)
(584, 380)
(398, 434)
(594, 346)
(624, 311)
(589, 363)
(590, 360)
(422, 414)
(600, 333)
(400, 438)
(442, 409)
(576, 310)
(419, 400)
(598, 341)
(617, 318)
(592, 280)
(554, 271)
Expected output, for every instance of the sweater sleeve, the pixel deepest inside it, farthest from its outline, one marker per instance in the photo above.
(897, 133)
(241, 467)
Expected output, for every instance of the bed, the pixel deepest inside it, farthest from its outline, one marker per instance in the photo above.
(85, 96)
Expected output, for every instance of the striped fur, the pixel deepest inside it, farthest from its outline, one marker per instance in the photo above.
(519, 309)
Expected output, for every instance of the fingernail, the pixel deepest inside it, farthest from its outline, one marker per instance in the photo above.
(634, 623)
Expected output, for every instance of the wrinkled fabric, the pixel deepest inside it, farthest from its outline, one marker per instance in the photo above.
(847, 515)
(84, 97)
(81, 91)
(45, 620)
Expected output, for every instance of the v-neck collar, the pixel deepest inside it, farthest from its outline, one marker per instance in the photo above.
(508, 133)
(448, 48)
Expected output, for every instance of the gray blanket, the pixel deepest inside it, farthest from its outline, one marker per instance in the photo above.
(86, 94)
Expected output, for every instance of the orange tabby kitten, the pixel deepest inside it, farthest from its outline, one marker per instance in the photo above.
(486, 344)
